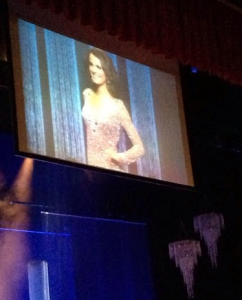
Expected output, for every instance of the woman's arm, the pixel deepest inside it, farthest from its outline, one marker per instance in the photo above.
(137, 149)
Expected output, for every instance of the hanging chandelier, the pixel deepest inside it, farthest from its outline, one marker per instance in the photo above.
(209, 227)
(185, 254)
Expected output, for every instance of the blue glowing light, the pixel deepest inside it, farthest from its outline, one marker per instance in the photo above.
(194, 70)
(35, 232)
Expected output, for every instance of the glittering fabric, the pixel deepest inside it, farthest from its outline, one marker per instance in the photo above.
(103, 128)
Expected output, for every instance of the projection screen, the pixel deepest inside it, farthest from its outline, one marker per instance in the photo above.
(80, 104)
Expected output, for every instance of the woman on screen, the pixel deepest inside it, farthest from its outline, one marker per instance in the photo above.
(104, 115)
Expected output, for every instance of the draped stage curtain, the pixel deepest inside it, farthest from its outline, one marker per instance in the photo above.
(206, 34)
(65, 96)
(141, 99)
(32, 89)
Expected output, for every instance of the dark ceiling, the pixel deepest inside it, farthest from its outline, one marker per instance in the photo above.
(237, 3)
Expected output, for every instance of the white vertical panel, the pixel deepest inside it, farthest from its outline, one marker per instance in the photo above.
(38, 280)
(142, 109)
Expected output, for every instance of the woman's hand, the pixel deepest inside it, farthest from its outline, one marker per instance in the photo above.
(113, 155)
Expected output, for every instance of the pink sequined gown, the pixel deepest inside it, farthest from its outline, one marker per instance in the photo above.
(103, 132)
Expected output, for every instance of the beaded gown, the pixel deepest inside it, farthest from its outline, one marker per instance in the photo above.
(103, 129)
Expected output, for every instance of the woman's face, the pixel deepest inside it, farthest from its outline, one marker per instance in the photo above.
(96, 71)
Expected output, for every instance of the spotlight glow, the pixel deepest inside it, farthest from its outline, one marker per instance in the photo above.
(14, 247)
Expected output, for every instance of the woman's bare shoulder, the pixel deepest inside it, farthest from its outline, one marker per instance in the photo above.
(122, 109)
(87, 93)
(119, 102)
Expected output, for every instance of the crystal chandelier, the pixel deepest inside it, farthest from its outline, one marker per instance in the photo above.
(185, 254)
(209, 227)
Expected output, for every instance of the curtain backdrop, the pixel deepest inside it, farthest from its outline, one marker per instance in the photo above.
(141, 101)
(32, 89)
(65, 97)
(206, 34)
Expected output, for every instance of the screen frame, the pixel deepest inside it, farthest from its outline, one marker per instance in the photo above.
(127, 50)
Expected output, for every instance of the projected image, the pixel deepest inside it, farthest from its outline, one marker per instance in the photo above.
(81, 104)
(105, 115)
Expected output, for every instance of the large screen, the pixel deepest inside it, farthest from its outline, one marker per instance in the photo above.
(78, 103)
